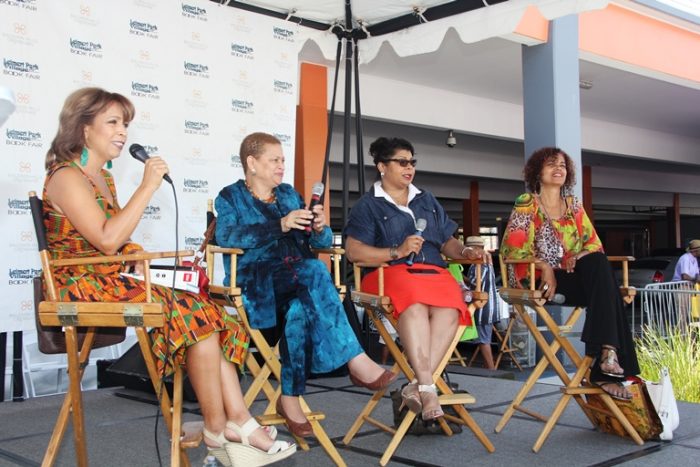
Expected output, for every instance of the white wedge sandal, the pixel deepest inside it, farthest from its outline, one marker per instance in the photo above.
(243, 454)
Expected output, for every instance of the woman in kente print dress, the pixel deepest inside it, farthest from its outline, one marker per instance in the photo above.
(554, 228)
(83, 218)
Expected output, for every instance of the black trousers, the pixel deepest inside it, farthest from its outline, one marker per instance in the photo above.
(593, 285)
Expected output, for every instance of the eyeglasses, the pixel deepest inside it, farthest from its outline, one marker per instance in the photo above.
(404, 162)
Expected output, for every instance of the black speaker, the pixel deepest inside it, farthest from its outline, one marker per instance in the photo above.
(130, 371)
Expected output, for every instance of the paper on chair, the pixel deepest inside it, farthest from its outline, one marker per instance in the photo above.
(186, 279)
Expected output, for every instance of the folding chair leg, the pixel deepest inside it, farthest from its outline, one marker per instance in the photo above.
(74, 374)
(166, 408)
(68, 402)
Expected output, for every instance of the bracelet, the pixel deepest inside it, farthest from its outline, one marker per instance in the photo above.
(393, 252)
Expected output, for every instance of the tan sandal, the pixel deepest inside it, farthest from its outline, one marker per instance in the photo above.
(218, 452)
(621, 393)
(610, 361)
(429, 414)
(410, 397)
(244, 454)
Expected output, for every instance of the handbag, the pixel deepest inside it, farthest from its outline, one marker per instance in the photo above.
(639, 411)
(470, 332)
(52, 339)
(664, 401)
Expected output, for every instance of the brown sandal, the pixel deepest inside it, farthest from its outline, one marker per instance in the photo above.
(621, 396)
(410, 397)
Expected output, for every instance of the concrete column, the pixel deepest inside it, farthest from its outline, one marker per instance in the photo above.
(551, 103)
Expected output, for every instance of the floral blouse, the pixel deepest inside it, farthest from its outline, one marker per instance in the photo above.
(530, 233)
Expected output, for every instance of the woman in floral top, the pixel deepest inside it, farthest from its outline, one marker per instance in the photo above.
(553, 227)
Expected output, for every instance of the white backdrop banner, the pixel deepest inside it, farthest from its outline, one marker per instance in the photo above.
(201, 76)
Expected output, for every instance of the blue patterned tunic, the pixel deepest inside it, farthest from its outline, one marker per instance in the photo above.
(281, 281)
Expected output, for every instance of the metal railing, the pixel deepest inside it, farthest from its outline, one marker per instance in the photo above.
(666, 306)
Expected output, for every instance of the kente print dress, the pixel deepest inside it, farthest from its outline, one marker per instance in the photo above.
(530, 233)
(193, 318)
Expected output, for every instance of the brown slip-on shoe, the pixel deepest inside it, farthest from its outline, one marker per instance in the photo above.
(384, 380)
(302, 430)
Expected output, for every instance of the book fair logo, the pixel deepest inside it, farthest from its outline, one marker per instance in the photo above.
(242, 51)
(196, 69)
(147, 90)
(283, 87)
(196, 157)
(25, 104)
(23, 138)
(24, 242)
(283, 137)
(236, 161)
(22, 276)
(195, 186)
(17, 207)
(143, 29)
(84, 15)
(24, 173)
(85, 48)
(193, 242)
(283, 34)
(194, 127)
(29, 5)
(152, 212)
(242, 106)
(194, 12)
(20, 69)
(18, 33)
(151, 149)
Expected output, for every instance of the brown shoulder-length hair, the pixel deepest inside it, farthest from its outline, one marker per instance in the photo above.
(80, 110)
(254, 145)
(533, 168)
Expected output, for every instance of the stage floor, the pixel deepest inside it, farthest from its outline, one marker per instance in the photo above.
(120, 431)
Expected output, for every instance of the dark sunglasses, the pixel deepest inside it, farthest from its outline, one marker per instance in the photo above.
(404, 162)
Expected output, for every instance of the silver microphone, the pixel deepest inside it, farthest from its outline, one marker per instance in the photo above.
(421, 224)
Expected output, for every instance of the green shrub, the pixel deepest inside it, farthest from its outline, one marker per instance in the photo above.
(679, 353)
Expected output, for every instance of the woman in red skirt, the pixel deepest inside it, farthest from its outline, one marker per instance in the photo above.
(384, 226)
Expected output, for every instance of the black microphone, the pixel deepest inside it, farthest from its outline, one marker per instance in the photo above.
(316, 192)
(421, 224)
(139, 153)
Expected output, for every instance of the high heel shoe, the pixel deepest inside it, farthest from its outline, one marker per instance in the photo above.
(410, 397)
(218, 452)
(610, 361)
(301, 430)
(384, 380)
(244, 454)
(429, 414)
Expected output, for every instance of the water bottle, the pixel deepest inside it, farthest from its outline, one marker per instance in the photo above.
(210, 461)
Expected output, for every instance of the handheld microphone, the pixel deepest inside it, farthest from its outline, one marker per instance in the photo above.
(139, 153)
(558, 299)
(421, 224)
(316, 192)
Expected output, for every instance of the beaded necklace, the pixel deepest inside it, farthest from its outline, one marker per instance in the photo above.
(269, 200)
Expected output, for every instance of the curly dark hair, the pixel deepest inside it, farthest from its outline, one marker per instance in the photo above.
(533, 168)
(382, 149)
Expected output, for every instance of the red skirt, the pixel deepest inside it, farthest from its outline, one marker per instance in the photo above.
(405, 288)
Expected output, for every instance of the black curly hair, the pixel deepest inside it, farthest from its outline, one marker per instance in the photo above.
(382, 149)
(533, 168)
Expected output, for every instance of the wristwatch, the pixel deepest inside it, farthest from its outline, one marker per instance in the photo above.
(394, 252)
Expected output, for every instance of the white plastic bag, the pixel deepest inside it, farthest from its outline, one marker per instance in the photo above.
(664, 401)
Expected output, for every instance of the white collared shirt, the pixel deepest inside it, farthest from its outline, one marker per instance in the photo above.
(412, 192)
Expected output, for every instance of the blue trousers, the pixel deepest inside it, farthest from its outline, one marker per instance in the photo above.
(316, 335)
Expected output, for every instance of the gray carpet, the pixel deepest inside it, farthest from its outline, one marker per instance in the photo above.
(120, 431)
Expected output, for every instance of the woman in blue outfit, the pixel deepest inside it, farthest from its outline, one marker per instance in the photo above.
(281, 281)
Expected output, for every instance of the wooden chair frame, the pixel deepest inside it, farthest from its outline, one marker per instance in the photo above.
(573, 387)
(231, 296)
(504, 348)
(380, 305)
(72, 315)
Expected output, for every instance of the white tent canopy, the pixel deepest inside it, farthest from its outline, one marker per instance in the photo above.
(497, 20)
